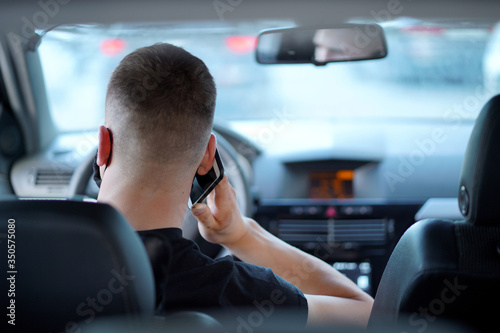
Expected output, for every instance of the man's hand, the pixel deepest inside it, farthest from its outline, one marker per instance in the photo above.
(331, 297)
(221, 221)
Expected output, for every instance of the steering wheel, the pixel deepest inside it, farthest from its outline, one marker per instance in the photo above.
(236, 167)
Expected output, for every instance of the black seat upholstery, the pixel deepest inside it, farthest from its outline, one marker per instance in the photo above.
(74, 261)
(443, 270)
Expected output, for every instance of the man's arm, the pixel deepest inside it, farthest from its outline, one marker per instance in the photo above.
(331, 297)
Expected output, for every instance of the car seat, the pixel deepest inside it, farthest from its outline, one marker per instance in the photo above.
(444, 270)
(71, 263)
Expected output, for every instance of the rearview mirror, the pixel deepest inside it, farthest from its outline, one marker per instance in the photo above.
(321, 45)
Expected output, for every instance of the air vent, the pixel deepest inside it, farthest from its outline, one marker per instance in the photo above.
(369, 231)
(55, 177)
(303, 230)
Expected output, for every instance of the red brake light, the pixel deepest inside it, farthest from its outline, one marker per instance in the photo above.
(424, 29)
(241, 44)
(112, 47)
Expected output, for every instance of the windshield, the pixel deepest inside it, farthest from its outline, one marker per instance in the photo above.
(434, 70)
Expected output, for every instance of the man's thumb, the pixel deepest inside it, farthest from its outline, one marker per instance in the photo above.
(202, 213)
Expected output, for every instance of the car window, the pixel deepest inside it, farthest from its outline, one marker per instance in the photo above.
(79, 60)
(434, 71)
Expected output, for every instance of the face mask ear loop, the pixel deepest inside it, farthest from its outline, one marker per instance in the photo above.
(110, 149)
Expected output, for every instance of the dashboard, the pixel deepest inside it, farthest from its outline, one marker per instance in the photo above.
(330, 205)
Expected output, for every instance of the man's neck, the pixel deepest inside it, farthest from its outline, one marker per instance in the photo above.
(145, 207)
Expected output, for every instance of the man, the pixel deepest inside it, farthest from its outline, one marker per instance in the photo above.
(159, 111)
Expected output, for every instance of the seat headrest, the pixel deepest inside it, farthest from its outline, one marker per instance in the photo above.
(479, 189)
(74, 261)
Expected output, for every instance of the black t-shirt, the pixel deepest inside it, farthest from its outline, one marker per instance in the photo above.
(186, 279)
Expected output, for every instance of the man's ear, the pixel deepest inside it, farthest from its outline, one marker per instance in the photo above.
(208, 159)
(104, 147)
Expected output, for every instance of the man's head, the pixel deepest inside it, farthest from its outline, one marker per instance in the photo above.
(160, 106)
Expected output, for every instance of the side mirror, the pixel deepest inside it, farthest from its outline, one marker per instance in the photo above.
(321, 45)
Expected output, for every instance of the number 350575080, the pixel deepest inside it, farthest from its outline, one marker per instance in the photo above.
(11, 243)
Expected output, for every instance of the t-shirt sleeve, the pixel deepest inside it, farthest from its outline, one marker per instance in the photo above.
(258, 289)
(245, 295)
(248, 294)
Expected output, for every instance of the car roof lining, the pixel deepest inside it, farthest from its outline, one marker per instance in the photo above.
(304, 12)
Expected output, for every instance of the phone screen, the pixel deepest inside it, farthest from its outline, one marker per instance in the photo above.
(204, 184)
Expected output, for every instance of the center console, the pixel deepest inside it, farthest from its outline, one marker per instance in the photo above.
(356, 236)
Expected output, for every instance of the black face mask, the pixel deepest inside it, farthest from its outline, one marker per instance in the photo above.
(97, 173)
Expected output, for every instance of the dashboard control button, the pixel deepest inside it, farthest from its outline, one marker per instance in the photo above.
(331, 212)
(297, 210)
(348, 210)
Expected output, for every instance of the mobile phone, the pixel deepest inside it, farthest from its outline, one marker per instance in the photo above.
(204, 184)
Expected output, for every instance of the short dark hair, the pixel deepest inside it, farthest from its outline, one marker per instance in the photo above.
(160, 105)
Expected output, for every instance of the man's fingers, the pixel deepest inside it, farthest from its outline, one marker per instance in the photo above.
(202, 214)
(222, 193)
